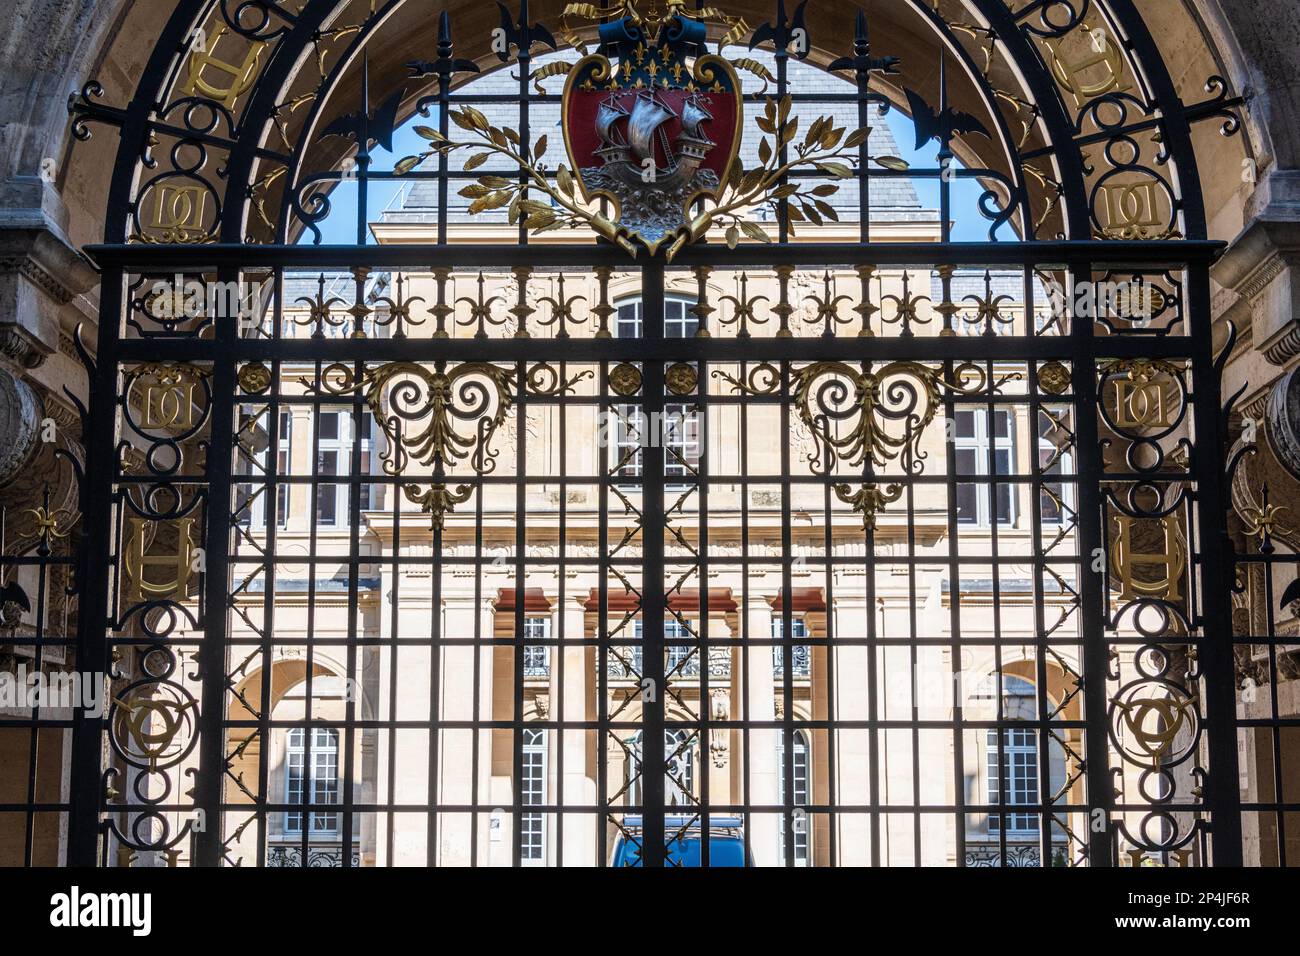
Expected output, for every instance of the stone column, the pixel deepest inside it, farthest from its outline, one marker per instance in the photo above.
(412, 699)
(852, 747)
(20, 420)
(456, 778)
(569, 704)
(762, 767)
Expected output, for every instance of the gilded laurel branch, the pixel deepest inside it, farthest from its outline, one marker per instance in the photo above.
(565, 210)
(824, 147)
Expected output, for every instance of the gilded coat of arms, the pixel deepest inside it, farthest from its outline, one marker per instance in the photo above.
(652, 123)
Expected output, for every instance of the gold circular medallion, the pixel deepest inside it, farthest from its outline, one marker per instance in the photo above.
(1054, 378)
(625, 379)
(681, 378)
(255, 378)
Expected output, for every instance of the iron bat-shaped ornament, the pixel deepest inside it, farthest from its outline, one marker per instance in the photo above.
(375, 128)
(940, 124)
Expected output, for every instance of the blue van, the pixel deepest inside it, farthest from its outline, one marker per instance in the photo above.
(726, 842)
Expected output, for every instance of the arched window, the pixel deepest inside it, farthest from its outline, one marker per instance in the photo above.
(1013, 766)
(802, 795)
(315, 773)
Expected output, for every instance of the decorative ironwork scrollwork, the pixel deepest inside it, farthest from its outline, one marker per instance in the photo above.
(848, 410)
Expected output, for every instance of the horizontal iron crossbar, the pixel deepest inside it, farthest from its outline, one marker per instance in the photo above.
(222, 255)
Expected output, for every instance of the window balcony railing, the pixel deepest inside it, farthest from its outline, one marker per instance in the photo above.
(1017, 854)
(680, 663)
(537, 662)
(802, 661)
(328, 856)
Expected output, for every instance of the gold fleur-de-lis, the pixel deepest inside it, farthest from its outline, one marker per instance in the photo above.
(905, 312)
(438, 500)
(47, 524)
(480, 310)
(561, 309)
(828, 306)
(743, 311)
(869, 500)
(320, 310)
(1264, 522)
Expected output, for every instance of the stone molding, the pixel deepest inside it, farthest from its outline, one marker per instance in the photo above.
(40, 276)
(1262, 268)
(20, 420)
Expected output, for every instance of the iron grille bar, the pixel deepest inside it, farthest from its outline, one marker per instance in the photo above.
(653, 579)
(958, 348)
(162, 257)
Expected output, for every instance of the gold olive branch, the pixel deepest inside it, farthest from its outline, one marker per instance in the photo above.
(493, 192)
(825, 147)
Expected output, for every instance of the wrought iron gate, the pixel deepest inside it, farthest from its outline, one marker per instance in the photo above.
(805, 552)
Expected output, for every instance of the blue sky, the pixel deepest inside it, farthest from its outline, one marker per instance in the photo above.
(969, 225)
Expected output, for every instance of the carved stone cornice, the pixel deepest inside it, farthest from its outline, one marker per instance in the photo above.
(1258, 280)
(36, 273)
(40, 275)
(1284, 348)
(1262, 267)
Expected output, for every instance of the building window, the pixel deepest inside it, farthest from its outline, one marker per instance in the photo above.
(974, 440)
(1013, 768)
(679, 432)
(532, 791)
(320, 779)
(802, 795)
(801, 652)
(680, 428)
(681, 657)
(679, 321)
(253, 498)
(537, 657)
(334, 429)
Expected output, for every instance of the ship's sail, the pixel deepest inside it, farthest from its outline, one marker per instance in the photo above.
(607, 115)
(647, 116)
(693, 114)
